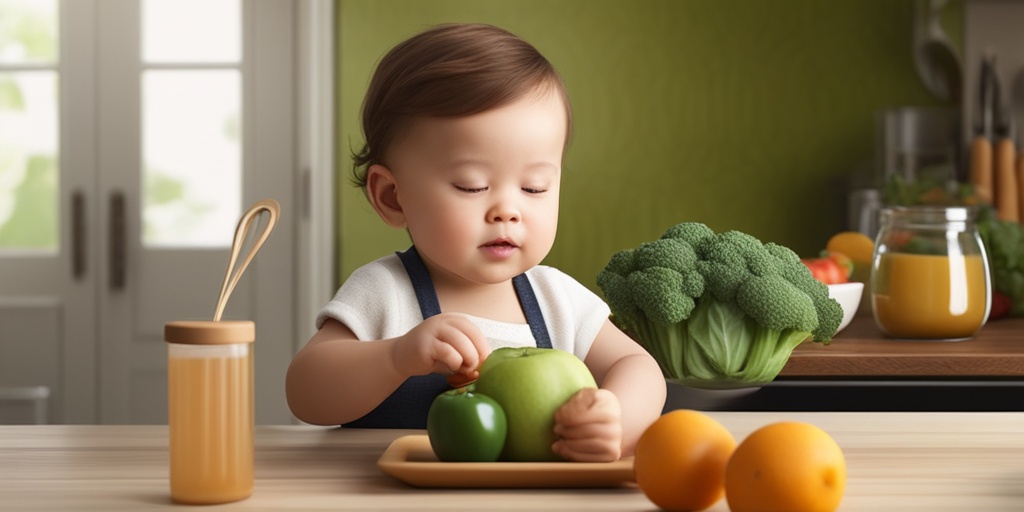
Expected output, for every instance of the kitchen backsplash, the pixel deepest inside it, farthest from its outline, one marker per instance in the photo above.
(741, 114)
(993, 27)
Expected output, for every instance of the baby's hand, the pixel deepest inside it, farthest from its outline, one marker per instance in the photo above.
(589, 427)
(446, 343)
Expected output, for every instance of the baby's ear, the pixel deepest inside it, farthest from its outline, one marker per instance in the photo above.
(382, 190)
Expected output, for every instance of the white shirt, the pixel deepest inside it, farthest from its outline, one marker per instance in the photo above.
(377, 302)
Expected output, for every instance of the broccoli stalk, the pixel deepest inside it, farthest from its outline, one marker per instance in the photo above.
(698, 352)
(717, 310)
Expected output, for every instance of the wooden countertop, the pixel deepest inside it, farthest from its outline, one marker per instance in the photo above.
(861, 350)
(895, 461)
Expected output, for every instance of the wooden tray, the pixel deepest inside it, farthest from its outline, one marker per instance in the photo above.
(411, 460)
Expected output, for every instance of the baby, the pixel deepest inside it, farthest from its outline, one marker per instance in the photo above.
(466, 127)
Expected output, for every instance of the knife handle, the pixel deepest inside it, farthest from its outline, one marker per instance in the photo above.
(1005, 163)
(1020, 185)
(981, 168)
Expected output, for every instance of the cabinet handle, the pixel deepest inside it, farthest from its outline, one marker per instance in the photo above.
(78, 235)
(117, 240)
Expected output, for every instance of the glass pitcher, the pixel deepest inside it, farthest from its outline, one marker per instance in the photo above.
(930, 277)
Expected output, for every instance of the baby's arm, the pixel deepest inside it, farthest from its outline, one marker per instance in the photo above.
(605, 424)
(337, 378)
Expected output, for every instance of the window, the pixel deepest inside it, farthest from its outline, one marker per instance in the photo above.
(191, 121)
(29, 126)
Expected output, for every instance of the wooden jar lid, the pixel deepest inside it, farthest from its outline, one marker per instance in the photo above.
(210, 333)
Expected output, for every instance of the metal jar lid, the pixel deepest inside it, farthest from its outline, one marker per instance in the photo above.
(201, 332)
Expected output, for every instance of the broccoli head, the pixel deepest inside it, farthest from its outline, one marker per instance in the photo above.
(717, 309)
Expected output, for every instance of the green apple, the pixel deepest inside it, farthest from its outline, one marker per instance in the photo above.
(466, 427)
(530, 384)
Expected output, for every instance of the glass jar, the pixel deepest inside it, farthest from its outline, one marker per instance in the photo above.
(930, 277)
(210, 410)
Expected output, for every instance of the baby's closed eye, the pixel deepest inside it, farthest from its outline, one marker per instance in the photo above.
(472, 189)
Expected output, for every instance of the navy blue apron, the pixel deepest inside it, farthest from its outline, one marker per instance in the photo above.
(408, 405)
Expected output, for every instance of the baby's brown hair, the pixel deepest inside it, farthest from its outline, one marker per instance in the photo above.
(450, 70)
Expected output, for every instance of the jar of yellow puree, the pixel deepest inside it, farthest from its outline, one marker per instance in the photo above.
(930, 277)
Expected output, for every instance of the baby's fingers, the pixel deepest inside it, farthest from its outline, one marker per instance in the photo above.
(469, 341)
(593, 449)
(608, 430)
(446, 358)
(589, 427)
(454, 342)
(589, 405)
(477, 349)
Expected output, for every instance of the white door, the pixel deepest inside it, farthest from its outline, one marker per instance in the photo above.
(172, 116)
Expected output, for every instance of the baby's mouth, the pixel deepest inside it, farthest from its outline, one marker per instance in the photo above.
(501, 243)
(500, 249)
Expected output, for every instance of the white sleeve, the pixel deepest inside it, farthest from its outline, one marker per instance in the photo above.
(572, 312)
(374, 301)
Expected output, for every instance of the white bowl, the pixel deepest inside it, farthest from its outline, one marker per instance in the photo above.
(848, 296)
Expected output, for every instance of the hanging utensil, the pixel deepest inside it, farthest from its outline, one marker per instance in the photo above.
(273, 210)
(937, 63)
(1004, 159)
(981, 146)
(1017, 124)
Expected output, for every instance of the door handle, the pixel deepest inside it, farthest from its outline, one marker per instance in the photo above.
(78, 235)
(118, 244)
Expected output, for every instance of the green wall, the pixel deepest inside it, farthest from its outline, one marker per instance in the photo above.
(742, 114)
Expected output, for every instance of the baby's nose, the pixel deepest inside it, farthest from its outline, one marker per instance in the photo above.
(503, 212)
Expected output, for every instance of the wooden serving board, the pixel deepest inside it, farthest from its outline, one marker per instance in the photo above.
(411, 460)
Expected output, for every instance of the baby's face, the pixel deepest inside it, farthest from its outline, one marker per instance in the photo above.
(480, 193)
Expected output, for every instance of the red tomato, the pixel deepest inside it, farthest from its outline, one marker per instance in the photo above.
(1001, 306)
(830, 269)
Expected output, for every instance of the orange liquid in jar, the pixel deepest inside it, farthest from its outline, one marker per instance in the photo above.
(211, 423)
(930, 296)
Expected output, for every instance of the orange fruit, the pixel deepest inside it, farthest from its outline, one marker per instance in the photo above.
(680, 460)
(859, 248)
(785, 467)
(855, 245)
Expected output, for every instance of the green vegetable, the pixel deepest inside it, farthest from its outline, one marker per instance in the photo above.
(1004, 246)
(466, 427)
(717, 310)
(931, 186)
